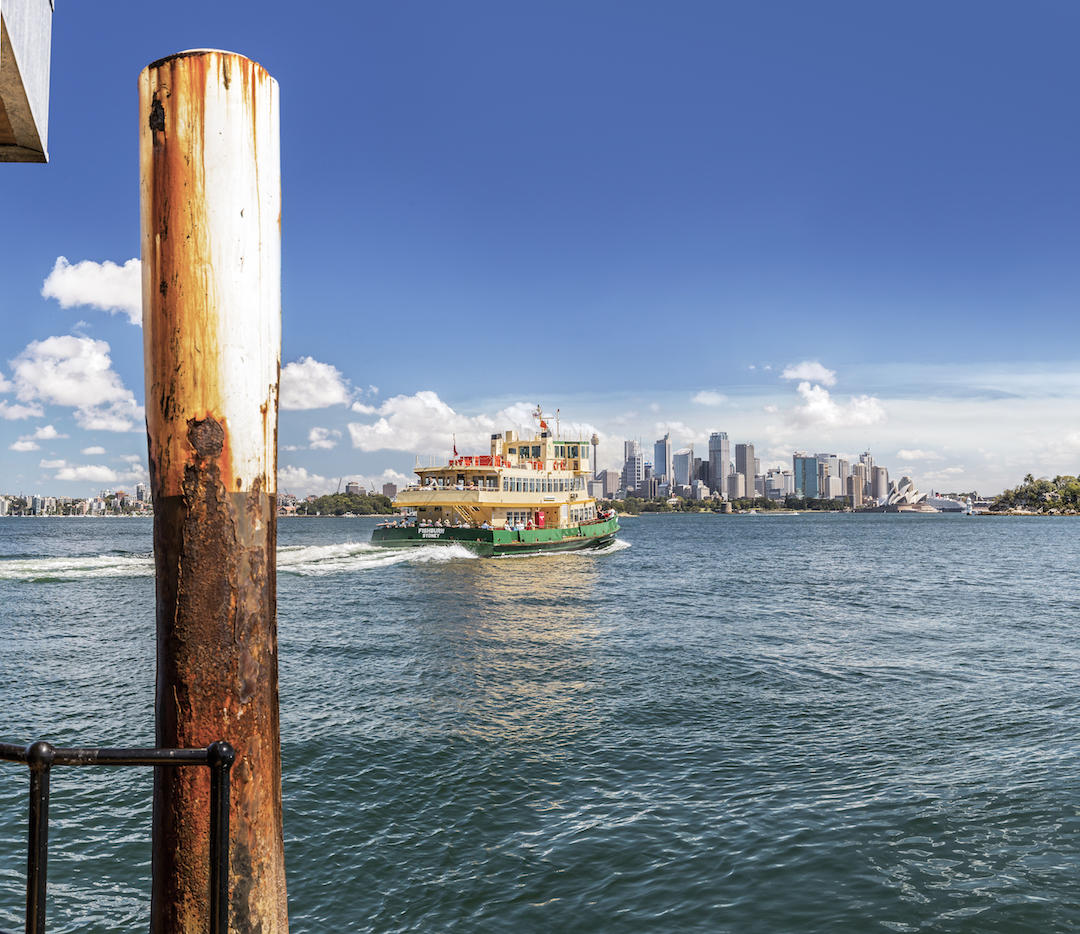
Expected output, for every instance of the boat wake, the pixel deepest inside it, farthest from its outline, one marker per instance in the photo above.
(611, 547)
(298, 560)
(320, 560)
(76, 567)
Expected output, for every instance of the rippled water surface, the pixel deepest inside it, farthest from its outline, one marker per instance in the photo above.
(797, 723)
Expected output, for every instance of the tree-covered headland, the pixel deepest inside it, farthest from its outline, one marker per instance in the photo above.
(1060, 496)
(340, 504)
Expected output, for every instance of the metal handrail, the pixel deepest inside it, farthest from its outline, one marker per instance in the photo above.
(41, 756)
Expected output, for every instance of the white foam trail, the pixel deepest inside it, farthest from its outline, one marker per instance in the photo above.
(79, 567)
(301, 560)
(320, 560)
(617, 544)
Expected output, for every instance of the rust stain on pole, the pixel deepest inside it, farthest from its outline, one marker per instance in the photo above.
(211, 264)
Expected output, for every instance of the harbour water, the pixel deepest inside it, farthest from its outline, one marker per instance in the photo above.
(725, 723)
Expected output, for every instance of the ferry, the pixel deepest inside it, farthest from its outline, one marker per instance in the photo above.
(529, 495)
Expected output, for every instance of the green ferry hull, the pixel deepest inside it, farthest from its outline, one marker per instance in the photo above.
(499, 542)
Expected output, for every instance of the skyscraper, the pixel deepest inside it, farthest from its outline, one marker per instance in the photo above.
(662, 458)
(633, 466)
(805, 468)
(682, 465)
(719, 459)
(744, 464)
(880, 486)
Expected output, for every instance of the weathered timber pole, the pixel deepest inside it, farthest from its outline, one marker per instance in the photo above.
(211, 273)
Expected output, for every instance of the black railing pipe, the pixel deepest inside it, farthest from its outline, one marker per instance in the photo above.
(40, 757)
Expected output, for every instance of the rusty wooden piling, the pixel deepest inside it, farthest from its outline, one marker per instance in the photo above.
(211, 272)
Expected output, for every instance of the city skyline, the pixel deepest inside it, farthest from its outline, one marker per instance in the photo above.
(749, 220)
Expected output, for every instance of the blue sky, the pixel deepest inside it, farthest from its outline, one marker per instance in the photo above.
(641, 214)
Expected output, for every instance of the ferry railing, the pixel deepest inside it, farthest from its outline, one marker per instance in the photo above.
(40, 757)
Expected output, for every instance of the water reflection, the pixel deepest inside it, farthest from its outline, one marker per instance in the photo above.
(508, 650)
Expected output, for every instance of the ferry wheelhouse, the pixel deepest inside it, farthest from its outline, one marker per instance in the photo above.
(526, 495)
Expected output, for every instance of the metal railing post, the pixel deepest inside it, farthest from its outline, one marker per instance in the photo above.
(39, 757)
(221, 756)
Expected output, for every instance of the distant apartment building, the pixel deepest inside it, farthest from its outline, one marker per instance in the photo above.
(352, 488)
(609, 480)
(736, 486)
(779, 483)
(3, 506)
(858, 473)
(833, 488)
(855, 490)
(719, 459)
(140, 492)
(389, 489)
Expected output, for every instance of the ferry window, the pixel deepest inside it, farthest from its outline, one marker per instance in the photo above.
(517, 484)
(573, 450)
(536, 450)
(506, 484)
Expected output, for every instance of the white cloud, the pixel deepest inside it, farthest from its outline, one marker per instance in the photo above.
(299, 482)
(820, 409)
(810, 370)
(46, 433)
(946, 473)
(916, 454)
(680, 432)
(323, 439)
(709, 397)
(76, 372)
(88, 473)
(424, 423)
(105, 285)
(98, 473)
(24, 445)
(363, 409)
(6, 385)
(13, 411)
(52, 465)
(308, 384)
(118, 416)
(93, 449)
